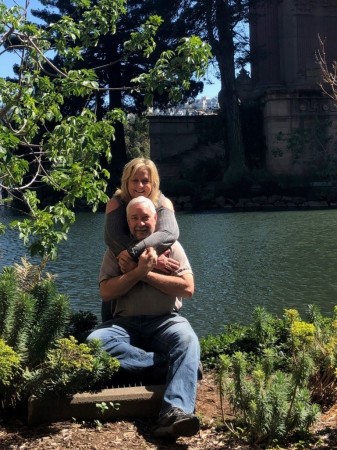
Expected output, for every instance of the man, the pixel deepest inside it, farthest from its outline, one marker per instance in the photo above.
(147, 332)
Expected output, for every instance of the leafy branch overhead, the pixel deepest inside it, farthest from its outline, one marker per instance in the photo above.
(44, 147)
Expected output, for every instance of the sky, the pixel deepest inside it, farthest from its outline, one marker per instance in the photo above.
(7, 60)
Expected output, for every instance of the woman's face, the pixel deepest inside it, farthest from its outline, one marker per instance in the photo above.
(140, 183)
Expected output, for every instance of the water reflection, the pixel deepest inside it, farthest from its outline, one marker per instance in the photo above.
(275, 259)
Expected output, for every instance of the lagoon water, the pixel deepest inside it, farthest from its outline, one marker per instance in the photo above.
(281, 259)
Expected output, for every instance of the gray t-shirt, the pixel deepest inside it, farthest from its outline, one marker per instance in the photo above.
(144, 299)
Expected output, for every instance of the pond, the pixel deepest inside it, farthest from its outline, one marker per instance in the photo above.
(281, 259)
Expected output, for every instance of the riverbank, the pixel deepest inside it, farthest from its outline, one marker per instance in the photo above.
(256, 203)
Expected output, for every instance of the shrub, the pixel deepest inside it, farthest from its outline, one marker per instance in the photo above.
(269, 406)
(35, 356)
(10, 372)
(80, 324)
(71, 367)
(34, 314)
(277, 384)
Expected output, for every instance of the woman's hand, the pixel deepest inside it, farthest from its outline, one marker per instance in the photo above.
(125, 262)
(147, 260)
(166, 264)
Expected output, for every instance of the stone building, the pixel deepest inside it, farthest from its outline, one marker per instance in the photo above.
(299, 121)
(179, 143)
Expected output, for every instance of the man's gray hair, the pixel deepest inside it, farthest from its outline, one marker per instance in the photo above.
(140, 200)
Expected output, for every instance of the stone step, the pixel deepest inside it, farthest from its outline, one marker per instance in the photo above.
(130, 403)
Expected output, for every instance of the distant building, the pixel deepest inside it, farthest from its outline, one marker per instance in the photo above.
(285, 37)
(194, 107)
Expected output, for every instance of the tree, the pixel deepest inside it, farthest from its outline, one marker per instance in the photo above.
(115, 70)
(44, 145)
(222, 23)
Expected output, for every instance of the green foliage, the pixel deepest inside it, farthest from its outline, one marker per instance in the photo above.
(47, 328)
(137, 138)
(32, 318)
(103, 407)
(35, 356)
(41, 141)
(276, 373)
(269, 407)
(19, 321)
(80, 324)
(10, 374)
(213, 346)
(71, 367)
(8, 290)
(9, 364)
(172, 71)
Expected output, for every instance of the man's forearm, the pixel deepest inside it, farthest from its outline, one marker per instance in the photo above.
(170, 284)
(117, 286)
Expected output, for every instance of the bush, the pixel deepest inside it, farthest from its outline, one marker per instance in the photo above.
(276, 373)
(35, 356)
(71, 367)
(10, 373)
(80, 324)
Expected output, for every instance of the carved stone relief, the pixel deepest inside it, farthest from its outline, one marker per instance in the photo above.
(307, 6)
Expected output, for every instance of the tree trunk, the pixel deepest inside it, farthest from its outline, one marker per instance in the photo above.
(228, 97)
(118, 147)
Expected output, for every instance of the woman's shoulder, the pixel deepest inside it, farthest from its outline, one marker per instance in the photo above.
(165, 202)
(113, 204)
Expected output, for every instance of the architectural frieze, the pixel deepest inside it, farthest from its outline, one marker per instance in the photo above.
(308, 6)
(320, 106)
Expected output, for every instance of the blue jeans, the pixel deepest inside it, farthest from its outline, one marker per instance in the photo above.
(143, 342)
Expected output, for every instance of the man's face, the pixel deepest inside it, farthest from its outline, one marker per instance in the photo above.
(141, 221)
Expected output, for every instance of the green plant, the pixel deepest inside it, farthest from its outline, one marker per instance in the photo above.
(70, 367)
(10, 373)
(36, 357)
(276, 385)
(80, 324)
(103, 407)
(34, 314)
(269, 406)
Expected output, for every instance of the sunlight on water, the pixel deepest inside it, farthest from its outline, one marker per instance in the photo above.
(240, 260)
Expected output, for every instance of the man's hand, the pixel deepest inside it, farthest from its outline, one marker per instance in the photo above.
(125, 262)
(147, 260)
(166, 264)
(119, 285)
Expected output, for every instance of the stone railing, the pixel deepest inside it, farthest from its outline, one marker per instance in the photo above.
(260, 203)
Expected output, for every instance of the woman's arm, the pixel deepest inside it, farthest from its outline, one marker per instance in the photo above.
(116, 231)
(117, 235)
(167, 232)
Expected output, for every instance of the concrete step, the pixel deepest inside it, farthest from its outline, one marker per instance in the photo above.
(133, 402)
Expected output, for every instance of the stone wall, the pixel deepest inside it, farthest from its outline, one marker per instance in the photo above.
(257, 203)
(285, 37)
(300, 133)
(177, 143)
(285, 82)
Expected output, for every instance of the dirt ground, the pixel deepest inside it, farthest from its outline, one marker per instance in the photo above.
(15, 435)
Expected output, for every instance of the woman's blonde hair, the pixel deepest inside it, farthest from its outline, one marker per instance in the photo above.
(128, 172)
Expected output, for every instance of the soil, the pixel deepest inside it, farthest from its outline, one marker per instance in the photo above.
(16, 435)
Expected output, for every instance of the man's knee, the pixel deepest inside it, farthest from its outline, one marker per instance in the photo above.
(99, 334)
(188, 341)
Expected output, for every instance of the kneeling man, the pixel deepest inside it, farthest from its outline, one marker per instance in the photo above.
(146, 331)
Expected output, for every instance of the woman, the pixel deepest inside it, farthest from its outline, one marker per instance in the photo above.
(140, 177)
